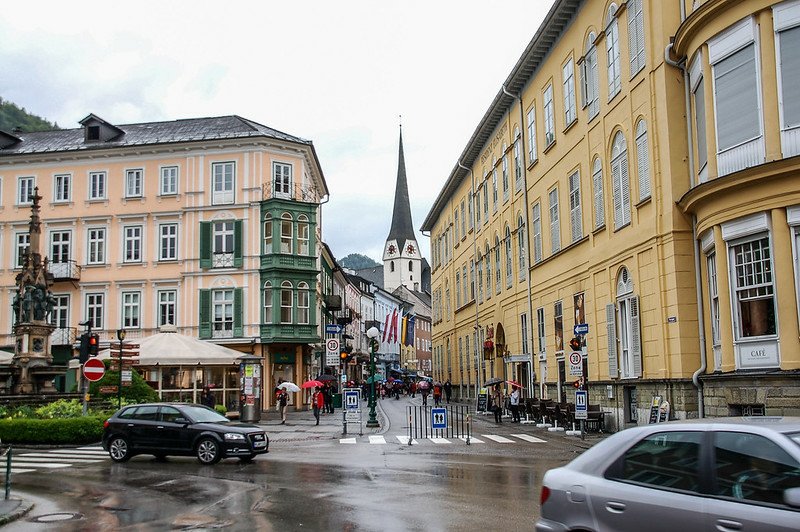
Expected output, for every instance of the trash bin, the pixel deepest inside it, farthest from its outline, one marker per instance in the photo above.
(337, 400)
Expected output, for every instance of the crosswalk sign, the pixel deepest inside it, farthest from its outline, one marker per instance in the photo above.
(439, 418)
(351, 399)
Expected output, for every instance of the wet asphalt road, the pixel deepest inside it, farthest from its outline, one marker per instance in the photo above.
(311, 483)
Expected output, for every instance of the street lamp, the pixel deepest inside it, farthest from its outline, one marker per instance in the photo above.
(372, 334)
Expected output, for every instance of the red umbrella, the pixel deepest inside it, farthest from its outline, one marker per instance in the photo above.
(515, 383)
(312, 384)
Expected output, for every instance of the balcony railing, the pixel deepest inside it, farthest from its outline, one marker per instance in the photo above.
(67, 270)
(222, 260)
(63, 336)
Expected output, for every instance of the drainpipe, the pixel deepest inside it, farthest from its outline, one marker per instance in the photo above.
(475, 259)
(518, 97)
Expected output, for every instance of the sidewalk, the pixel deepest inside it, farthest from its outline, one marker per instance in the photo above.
(13, 508)
(301, 426)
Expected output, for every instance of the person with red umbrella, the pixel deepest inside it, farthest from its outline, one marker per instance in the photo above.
(317, 402)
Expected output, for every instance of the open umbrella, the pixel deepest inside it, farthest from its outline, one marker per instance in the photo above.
(289, 386)
(312, 384)
(515, 384)
(323, 378)
(423, 385)
(493, 381)
(376, 379)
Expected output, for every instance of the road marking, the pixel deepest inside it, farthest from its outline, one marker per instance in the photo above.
(440, 440)
(31, 463)
(404, 440)
(528, 437)
(377, 440)
(45, 459)
(347, 440)
(67, 455)
(81, 452)
(471, 440)
(498, 439)
(15, 470)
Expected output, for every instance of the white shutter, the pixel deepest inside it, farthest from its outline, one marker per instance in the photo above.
(632, 39)
(584, 83)
(599, 205)
(625, 187)
(611, 327)
(636, 340)
(615, 179)
(594, 105)
(640, 33)
(642, 161)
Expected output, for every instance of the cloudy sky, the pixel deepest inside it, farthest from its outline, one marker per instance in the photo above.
(339, 73)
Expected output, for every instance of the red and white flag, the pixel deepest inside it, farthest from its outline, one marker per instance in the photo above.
(394, 327)
(386, 328)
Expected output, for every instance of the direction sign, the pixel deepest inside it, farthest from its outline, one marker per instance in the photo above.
(333, 328)
(94, 369)
(581, 328)
(439, 418)
(581, 404)
(575, 364)
(351, 399)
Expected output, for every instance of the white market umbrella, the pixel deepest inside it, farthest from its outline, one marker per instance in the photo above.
(173, 349)
(289, 386)
(5, 357)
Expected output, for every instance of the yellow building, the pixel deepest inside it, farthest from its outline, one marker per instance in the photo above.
(582, 198)
(207, 224)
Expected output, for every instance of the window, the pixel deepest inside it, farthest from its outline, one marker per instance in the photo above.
(94, 310)
(447, 298)
(612, 52)
(455, 224)
(221, 245)
(133, 183)
(223, 313)
(488, 257)
(509, 258)
(287, 300)
(169, 181)
(132, 243)
(23, 246)
(599, 201)
(222, 175)
(537, 233)
(60, 249)
(497, 272)
(558, 325)
(736, 99)
(167, 307)
(59, 318)
(63, 187)
(464, 277)
(268, 233)
(287, 233)
(131, 307)
(518, 181)
(549, 117)
(568, 77)
(268, 302)
(636, 35)
(486, 201)
(303, 304)
(749, 467)
(626, 329)
(662, 460)
(302, 235)
(521, 248)
(642, 160)
(619, 177)
(787, 42)
(168, 242)
(713, 295)
(494, 187)
(463, 219)
(458, 289)
(575, 214)
(25, 190)
(282, 174)
(97, 185)
(555, 226)
(590, 93)
(699, 98)
(505, 173)
(523, 322)
(753, 288)
(480, 278)
(532, 155)
(469, 213)
(472, 279)
(540, 328)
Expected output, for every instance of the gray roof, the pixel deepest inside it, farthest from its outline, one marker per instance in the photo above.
(148, 133)
(373, 274)
(402, 228)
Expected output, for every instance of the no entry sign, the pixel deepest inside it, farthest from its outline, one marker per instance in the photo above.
(94, 369)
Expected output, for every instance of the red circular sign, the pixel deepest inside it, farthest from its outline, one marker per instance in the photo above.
(94, 369)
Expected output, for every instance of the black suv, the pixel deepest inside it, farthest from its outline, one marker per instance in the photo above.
(183, 429)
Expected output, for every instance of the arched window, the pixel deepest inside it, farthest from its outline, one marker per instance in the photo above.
(302, 235)
(612, 52)
(517, 160)
(303, 304)
(642, 160)
(509, 259)
(497, 272)
(268, 302)
(521, 247)
(505, 173)
(410, 266)
(391, 266)
(287, 300)
(621, 182)
(287, 234)
(267, 233)
(627, 329)
(480, 277)
(599, 199)
(488, 257)
(589, 84)
(495, 199)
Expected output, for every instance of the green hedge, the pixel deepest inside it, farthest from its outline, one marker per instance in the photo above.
(78, 430)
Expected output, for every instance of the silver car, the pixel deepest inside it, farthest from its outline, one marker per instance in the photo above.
(727, 474)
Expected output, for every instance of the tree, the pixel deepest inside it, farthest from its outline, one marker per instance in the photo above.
(356, 261)
(13, 117)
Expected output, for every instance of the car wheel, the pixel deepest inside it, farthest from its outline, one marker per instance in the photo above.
(208, 451)
(119, 450)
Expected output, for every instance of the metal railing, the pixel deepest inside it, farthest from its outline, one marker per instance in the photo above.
(63, 336)
(65, 270)
(456, 418)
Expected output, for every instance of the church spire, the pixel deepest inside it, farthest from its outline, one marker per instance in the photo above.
(402, 227)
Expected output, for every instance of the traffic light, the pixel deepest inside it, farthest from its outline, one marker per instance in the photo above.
(575, 344)
(83, 351)
(94, 343)
(577, 384)
(343, 356)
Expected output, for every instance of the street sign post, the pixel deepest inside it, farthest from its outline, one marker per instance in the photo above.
(575, 364)
(439, 418)
(351, 406)
(94, 369)
(581, 328)
(582, 408)
(332, 352)
(351, 399)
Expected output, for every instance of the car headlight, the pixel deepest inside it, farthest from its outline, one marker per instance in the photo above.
(234, 436)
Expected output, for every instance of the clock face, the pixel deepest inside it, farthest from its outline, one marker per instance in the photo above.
(410, 249)
(392, 249)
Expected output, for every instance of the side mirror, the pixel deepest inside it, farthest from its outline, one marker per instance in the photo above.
(182, 420)
(792, 497)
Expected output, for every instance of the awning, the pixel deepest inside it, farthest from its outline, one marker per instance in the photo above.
(173, 349)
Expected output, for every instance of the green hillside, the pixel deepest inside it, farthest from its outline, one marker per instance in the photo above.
(13, 117)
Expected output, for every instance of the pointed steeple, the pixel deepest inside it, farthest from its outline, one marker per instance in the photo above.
(402, 227)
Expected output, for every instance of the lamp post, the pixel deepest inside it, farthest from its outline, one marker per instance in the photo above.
(372, 334)
(121, 338)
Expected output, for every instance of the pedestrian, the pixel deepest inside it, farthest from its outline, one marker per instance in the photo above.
(208, 398)
(448, 390)
(317, 402)
(413, 389)
(283, 404)
(497, 404)
(425, 396)
(277, 393)
(331, 392)
(514, 400)
(437, 393)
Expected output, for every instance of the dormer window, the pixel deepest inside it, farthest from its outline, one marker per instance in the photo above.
(93, 133)
(95, 129)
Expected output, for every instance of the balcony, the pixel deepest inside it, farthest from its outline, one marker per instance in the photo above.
(68, 270)
(222, 260)
(63, 336)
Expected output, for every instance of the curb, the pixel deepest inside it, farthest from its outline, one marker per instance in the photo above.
(23, 507)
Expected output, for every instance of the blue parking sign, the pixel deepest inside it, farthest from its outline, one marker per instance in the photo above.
(439, 418)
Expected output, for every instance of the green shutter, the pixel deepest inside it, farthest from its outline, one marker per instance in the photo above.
(237, 313)
(205, 313)
(205, 245)
(237, 244)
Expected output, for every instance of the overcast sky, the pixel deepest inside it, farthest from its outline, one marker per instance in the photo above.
(338, 73)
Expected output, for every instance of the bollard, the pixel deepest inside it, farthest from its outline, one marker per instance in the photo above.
(8, 472)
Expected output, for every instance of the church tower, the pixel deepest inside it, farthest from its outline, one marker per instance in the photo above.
(402, 261)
